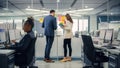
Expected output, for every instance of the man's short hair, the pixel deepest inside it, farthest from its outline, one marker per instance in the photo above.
(51, 11)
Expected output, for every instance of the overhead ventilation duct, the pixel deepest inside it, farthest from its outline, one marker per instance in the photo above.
(5, 8)
(41, 2)
(6, 5)
(30, 8)
(73, 3)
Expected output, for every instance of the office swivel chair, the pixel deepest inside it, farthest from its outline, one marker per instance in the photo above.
(27, 59)
(96, 58)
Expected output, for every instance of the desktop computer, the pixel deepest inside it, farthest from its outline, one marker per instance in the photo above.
(117, 41)
(12, 34)
(109, 36)
(7, 58)
(17, 34)
(102, 34)
(2, 35)
(118, 36)
(2, 38)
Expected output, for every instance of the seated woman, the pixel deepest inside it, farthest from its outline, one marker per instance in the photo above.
(22, 50)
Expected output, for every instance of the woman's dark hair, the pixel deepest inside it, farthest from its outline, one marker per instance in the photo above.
(68, 17)
(30, 21)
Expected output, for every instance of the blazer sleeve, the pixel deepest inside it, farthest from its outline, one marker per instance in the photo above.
(43, 24)
(22, 46)
(55, 24)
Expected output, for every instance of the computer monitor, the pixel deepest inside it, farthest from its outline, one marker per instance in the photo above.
(96, 33)
(2, 35)
(102, 34)
(109, 35)
(118, 36)
(17, 34)
(12, 34)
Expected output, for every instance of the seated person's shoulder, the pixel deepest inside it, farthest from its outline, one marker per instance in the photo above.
(31, 34)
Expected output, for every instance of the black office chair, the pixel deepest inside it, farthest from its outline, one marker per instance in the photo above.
(92, 55)
(27, 59)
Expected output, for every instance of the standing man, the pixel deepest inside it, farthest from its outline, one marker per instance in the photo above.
(50, 24)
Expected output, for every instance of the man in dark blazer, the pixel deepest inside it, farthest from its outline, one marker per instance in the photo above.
(49, 25)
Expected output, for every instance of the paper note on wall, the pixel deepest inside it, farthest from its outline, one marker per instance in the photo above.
(41, 20)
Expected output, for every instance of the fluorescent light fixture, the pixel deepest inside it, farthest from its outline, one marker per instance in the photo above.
(2, 14)
(31, 13)
(73, 11)
(5, 14)
(76, 15)
(88, 9)
(37, 15)
(41, 15)
(44, 11)
(80, 10)
(29, 9)
(36, 10)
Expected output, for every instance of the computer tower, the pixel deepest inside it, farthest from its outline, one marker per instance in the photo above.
(6, 58)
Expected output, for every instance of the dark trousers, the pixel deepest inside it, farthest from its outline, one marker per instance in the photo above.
(22, 66)
(49, 42)
(28, 67)
(67, 42)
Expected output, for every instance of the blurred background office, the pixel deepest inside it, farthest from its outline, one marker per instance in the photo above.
(97, 18)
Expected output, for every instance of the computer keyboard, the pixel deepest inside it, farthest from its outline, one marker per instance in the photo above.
(110, 47)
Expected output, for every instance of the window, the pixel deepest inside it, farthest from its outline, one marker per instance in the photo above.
(80, 25)
(83, 24)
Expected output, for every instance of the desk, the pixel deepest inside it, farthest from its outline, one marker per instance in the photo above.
(6, 58)
(114, 56)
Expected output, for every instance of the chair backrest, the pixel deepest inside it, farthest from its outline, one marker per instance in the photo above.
(88, 47)
(31, 51)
